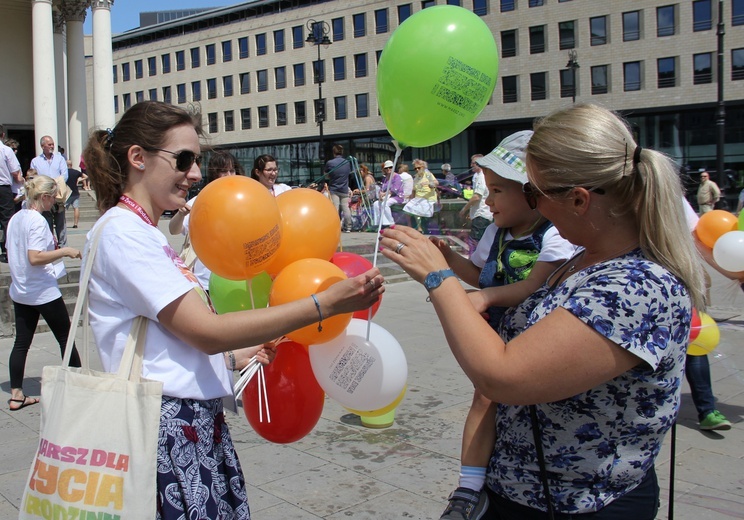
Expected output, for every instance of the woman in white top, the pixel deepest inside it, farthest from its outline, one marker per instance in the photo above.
(33, 288)
(144, 166)
(265, 171)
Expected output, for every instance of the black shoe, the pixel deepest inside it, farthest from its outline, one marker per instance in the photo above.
(4, 258)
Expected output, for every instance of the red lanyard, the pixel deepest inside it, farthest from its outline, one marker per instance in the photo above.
(131, 204)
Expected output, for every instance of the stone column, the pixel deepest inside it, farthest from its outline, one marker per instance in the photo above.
(60, 75)
(77, 99)
(103, 63)
(45, 97)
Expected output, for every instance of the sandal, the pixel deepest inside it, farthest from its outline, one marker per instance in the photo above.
(26, 401)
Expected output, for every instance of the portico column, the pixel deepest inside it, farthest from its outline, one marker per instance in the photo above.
(60, 85)
(45, 100)
(74, 12)
(103, 63)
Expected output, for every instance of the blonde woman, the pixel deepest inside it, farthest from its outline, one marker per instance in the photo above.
(32, 250)
(421, 206)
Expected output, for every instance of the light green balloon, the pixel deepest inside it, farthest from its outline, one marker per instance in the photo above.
(436, 73)
(235, 295)
(741, 221)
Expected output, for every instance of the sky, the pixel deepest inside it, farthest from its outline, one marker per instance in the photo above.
(125, 13)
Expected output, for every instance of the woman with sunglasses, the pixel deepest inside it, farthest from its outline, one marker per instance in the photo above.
(265, 171)
(425, 196)
(33, 287)
(142, 167)
(587, 371)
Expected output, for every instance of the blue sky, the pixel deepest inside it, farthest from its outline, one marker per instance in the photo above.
(125, 13)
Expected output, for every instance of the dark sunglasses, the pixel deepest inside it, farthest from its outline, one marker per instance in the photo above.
(531, 194)
(185, 159)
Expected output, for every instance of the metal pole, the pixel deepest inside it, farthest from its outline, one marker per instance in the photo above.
(321, 152)
(721, 112)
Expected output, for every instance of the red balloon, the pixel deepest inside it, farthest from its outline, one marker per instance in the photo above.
(695, 325)
(354, 265)
(295, 397)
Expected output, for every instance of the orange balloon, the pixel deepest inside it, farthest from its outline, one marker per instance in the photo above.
(235, 228)
(299, 280)
(311, 228)
(714, 224)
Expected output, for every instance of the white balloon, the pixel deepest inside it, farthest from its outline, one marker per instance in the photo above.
(360, 374)
(728, 251)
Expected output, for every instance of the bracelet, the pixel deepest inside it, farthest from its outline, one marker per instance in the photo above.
(232, 359)
(320, 313)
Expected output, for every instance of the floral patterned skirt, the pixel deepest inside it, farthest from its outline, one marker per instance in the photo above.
(199, 475)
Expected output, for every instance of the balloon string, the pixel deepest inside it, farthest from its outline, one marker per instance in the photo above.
(249, 286)
(262, 380)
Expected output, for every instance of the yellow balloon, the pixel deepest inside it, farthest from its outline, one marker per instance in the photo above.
(708, 338)
(384, 409)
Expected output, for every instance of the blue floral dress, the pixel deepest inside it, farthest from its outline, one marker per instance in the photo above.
(599, 444)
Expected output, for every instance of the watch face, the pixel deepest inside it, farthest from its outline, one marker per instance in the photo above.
(433, 280)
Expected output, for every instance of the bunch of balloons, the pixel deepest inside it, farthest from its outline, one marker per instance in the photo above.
(265, 251)
(724, 233)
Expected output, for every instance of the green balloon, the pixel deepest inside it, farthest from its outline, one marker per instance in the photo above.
(741, 221)
(235, 295)
(436, 74)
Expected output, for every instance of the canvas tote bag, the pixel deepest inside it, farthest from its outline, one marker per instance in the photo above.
(99, 433)
(63, 190)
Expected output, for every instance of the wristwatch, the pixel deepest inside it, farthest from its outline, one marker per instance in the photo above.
(435, 278)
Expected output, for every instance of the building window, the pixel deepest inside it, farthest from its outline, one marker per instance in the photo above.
(360, 25)
(632, 76)
(116, 104)
(377, 56)
(152, 66)
(212, 88)
(125, 72)
(702, 15)
(212, 122)
(280, 77)
(245, 82)
(598, 28)
(127, 98)
(298, 37)
(737, 64)
(360, 65)
(567, 83)
(299, 74)
(152, 94)
(510, 92)
(319, 110)
(381, 21)
(229, 120)
(339, 68)
(600, 83)
(243, 47)
(116, 74)
(737, 12)
(538, 86)
(196, 90)
(263, 117)
(665, 21)
(428, 3)
(262, 78)
(245, 118)
(666, 72)
(227, 86)
(180, 60)
(631, 26)
(454, 2)
(261, 44)
(537, 39)
(211, 54)
(567, 35)
(138, 72)
(536, 3)
(300, 112)
(507, 5)
(195, 58)
(318, 71)
(227, 51)
(337, 26)
(702, 68)
(339, 105)
(181, 92)
(167, 95)
(404, 12)
(480, 7)
(139, 96)
(279, 40)
(508, 43)
(362, 105)
(281, 114)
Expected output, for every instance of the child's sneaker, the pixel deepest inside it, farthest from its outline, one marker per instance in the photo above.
(466, 504)
(715, 420)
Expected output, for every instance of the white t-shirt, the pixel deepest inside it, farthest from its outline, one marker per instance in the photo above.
(407, 184)
(137, 273)
(480, 209)
(30, 284)
(554, 246)
(201, 271)
(279, 188)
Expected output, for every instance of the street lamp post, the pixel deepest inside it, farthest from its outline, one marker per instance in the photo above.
(721, 112)
(318, 35)
(573, 64)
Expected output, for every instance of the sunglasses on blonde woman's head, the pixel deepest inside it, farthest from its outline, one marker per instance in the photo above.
(531, 194)
(185, 159)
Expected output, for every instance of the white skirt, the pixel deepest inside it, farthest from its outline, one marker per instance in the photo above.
(419, 207)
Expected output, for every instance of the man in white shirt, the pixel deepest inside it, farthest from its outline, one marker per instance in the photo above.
(10, 170)
(53, 164)
(476, 209)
